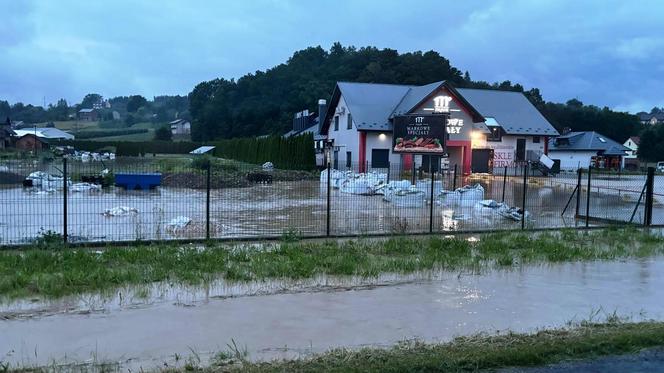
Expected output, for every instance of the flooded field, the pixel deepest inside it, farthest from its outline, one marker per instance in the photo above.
(298, 206)
(139, 327)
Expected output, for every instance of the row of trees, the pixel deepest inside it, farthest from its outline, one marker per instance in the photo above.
(263, 102)
(128, 109)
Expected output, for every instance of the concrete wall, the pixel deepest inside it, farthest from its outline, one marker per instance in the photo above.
(572, 160)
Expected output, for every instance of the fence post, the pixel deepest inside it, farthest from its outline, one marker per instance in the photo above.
(588, 197)
(329, 188)
(389, 168)
(525, 191)
(433, 180)
(650, 190)
(207, 201)
(412, 172)
(504, 184)
(64, 199)
(579, 173)
(454, 177)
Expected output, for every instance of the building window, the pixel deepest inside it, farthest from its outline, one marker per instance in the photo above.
(350, 122)
(349, 162)
(536, 140)
(336, 123)
(380, 158)
(495, 135)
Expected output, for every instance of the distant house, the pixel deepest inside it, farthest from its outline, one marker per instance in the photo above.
(6, 134)
(308, 122)
(31, 142)
(582, 149)
(180, 127)
(87, 115)
(631, 159)
(652, 119)
(633, 144)
(45, 133)
(18, 124)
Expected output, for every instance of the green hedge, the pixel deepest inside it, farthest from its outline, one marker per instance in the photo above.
(286, 153)
(295, 153)
(105, 133)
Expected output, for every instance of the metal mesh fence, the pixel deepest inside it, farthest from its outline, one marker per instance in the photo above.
(160, 198)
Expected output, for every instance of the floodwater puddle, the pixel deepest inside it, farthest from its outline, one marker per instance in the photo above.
(142, 296)
(287, 323)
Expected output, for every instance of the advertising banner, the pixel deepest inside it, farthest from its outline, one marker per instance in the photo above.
(420, 134)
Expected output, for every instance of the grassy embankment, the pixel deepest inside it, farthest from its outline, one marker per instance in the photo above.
(469, 354)
(106, 129)
(478, 353)
(53, 272)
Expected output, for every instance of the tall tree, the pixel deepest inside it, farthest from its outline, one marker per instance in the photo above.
(136, 102)
(90, 99)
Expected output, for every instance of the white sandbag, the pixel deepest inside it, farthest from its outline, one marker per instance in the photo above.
(425, 186)
(85, 187)
(469, 195)
(120, 211)
(179, 222)
(448, 198)
(268, 166)
(411, 197)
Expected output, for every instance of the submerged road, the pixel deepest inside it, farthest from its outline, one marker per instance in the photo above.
(291, 325)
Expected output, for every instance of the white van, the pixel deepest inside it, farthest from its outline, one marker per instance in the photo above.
(660, 166)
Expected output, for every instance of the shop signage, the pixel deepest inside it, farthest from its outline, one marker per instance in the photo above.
(503, 157)
(420, 134)
(454, 125)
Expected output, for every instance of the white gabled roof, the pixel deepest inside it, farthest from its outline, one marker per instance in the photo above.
(45, 133)
(202, 150)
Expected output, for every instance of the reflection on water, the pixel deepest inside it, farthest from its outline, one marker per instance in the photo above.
(270, 210)
(172, 319)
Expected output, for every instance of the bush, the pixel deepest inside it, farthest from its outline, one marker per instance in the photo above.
(107, 133)
(286, 153)
(163, 133)
(201, 162)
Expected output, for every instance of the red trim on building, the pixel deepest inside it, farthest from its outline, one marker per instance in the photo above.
(407, 161)
(466, 153)
(546, 145)
(363, 150)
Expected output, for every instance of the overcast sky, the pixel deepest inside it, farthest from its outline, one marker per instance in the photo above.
(608, 53)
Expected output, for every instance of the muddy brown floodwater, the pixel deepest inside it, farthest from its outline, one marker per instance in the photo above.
(301, 206)
(432, 308)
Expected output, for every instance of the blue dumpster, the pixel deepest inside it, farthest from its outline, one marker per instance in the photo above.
(142, 181)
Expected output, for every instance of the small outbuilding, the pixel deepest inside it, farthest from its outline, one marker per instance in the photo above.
(202, 150)
(582, 149)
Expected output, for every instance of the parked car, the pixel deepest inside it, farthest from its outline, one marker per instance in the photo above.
(660, 166)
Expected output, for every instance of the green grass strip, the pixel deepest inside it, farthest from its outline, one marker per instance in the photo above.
(55, 272)
(477, 353)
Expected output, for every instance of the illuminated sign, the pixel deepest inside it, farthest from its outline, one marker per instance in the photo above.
(441, 104)
(454, 125)
(419, 134)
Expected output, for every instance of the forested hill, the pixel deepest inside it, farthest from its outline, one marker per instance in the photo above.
(264, 102)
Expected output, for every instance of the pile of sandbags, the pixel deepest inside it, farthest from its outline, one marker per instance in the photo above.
(45, 181)
(353, 183)
(489, 207)
(467, 195)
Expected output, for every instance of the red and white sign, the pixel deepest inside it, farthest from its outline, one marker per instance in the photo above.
(503, 157)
